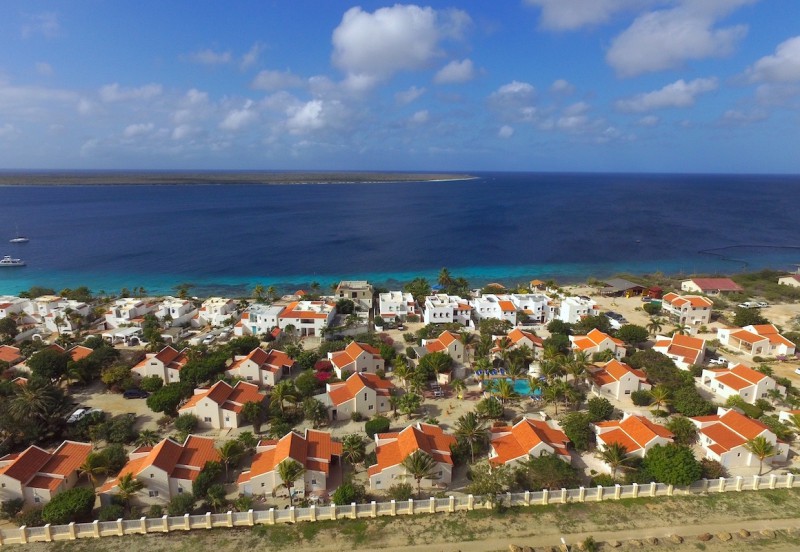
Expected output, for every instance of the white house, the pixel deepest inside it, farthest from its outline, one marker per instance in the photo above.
(308, 318)
(573, 309)
(636, 433)
(684, 350)
(166, 364)
(516, 339)
(258, 319)
(741, 381)
(11, 305)
(711, 286)
(263, 368)
(179, 311)
(215, 311)
(396, 305)
(790, 280)
(127, 312)
(220, 406)
(527, 438)
(393, 448)
(597, 342)
(447, 309)
(534, 305)
(758, 340)
(356, 358)
(691, 310)
(448, 343)
(617, 380)
(364, 393)
(498, 307)
(359, 292)
(724, 435)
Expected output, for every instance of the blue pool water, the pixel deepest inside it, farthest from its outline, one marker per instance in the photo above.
(523, 387)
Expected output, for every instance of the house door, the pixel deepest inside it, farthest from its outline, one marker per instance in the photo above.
(333, 414)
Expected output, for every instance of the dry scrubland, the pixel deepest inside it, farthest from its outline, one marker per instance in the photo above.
(495, 530)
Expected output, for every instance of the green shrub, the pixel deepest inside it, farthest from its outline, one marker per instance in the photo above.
(151, 384)
(111, 512)
(599, 409)
(31, 518)
(71, 505)
(155, 511)
(378, 424)
(186, 423)
(10, 508)
(181, 504)
(603, 479)
(349, 492)
(115, 458)
(400, 491)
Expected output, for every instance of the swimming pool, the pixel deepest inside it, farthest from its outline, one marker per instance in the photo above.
(523, 387)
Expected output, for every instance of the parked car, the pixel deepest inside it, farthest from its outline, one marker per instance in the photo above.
(77, 415)
(719, 361)
(747, 305)
(762, 304)
(209, 340)
(135, 394)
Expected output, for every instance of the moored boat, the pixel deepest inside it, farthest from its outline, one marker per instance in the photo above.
(8, 261)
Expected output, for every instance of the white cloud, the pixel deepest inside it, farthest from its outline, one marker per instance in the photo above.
(505, 131)
(572, 14)
(28, 99)
(648, 121)
(138, 129)
(44, 69)
(237, 119)
(420, 117)
(678, 94)
(735, 117)
(85, 106)
(116, 93)
(782, 66)
(515, 89)
(276, 80)
(45, 24)
(455, 72)
(371, 47)
(250, 57)
(665, 39)
(514, 101)
(7, 130)
(578, 108)
(407, 96)
(562, 86)
(183, 131)
(782, 95)
(306, 117)
(210, 57)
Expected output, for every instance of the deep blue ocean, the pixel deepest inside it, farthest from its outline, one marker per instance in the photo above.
(504, 227)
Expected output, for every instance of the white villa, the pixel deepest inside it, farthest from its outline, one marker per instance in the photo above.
(308, 318)
(499, 307)
(215, 311)
(126, 312)
(359, 292)
(534, 305)
(356, 358)
(597, 342)
(180, 311)
(617, 380)
(396, 305)
(636, 433)
(527, 438)
(691, 310)
(741, 381)
(364, 393)
(258, 319)
(445, 309)
(573, 309)
(263, 368)
(758, 340)
(684, 350)
(166, 364)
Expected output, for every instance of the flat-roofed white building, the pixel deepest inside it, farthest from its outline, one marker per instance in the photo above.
(359, 292)
(447, 309)
(396, 305)
(573, 309)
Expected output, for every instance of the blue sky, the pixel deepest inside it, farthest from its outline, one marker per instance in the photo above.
(521, 85)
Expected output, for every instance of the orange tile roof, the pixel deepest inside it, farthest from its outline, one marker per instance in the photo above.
(507, 306)
(10, 354)
(26, 464)
(731, 430)
(196, 451)
(428, 438)
(633, 429)
(45, 482)
(291, 311)
(341, 359)
(733, 381)
(447, 337)
(748, 337)
(355, 383)
(79, 352)
(314, 450)
(510, 443)
(516, 335)
(67, 458)
(771, 332)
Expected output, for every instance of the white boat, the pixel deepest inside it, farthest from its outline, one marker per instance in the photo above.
(19, 238)
(8, 261)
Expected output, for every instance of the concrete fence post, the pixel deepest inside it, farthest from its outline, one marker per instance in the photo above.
(581, 494)
(432, 505)
(452, 506)
(292, 514)
(617, 491)
(508, 498)
(95, 529)
(470, 502)
(229, 516)
(187, 522)
(271, 515)
(563, 495)
(333, 510)
(120, 529)
(392, 507)
(410, 506)
(208, 520)
(312, 512)
(353, 510)
(635, 491)
(653, 488)
(374, 509)
(773, 481)
(73, 534)
(143, 525)
(165, 523)
(545, 496)
(48, 533)
(721, 487)
(599, 493)
(670, 490)
(756, 482)
(789, 480)
(23, 534)
(527, 498)
(251, 517)
(739, 482)
(2, 542)
(705, 485)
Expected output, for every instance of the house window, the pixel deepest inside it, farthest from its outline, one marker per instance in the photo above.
(377, 483)
(249, 378)
(263, 484)
(152, 494)
(371, 406)
(313, 481)
(180, 490)
(365, 396)
(627, 391)
(37, 499)
(152, 475)
(207, 419)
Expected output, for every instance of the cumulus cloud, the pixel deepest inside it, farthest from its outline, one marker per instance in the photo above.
(138, 129)
(420, 117)
(563, 15)
(116, 93)
(237, 119)
(405, 97)
(306, 117)
(250, 57)
(678, 94)
(562, 86)
(648, 121)
(782, 66)
(182, 132)
(276, 80)
(7, 130)
(455, 72)
(505, 131)
(193, 106)
(665, 39)
(371, 47)
(210, 57)
(514, 101)
(736, 117)
(45, 24)
(44, 69)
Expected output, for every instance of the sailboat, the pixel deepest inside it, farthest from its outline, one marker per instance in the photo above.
(19, 238)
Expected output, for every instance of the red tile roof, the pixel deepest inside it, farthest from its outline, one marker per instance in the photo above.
(511, 443)
(633, 432)
(314, 450)
(714, 284)
(10, 354)
(730, 430)
(355, 383)
(395, 447)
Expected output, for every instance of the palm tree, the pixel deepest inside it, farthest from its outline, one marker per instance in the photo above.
(258, 293)
(94, 466)
(458, 387)
(147, 438)
(615, 455)
(681, 328)
(401, 370)
(230, 452)
(44, 403)
(420, 465)
(654, 326)
(504, 390)
(515, 369)
(271, 294)
(761, 448)
(128, 486)
(549, 370)
(775, 396)
(483, 365)
(660, 395)
(468, 339)
(794, 423)
(284, 391)
(552, 394)
(445, 279)
(577, 366)
(354, 449)
(290, 471)
(504, 346)
(471, 429)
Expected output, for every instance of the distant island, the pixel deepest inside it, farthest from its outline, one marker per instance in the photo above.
(150, 178)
